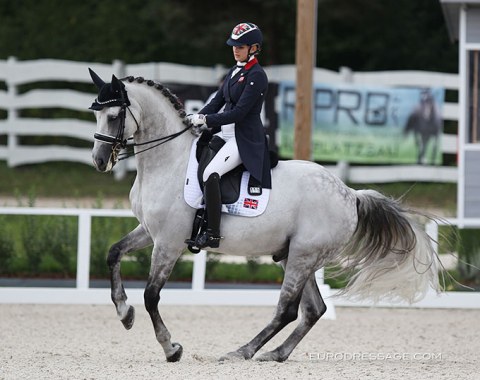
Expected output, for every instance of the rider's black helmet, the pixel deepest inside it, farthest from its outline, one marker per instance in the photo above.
(245, 33)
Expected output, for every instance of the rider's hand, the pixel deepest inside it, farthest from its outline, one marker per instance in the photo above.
(202, 128)
(197, 119)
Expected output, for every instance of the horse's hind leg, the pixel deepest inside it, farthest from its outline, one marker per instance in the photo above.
(136, 239)
(312, 308)
(287, 309)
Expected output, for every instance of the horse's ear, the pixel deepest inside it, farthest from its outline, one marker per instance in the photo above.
(96, 79)
(116, 83)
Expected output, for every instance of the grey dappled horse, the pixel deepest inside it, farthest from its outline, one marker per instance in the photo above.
(312, 220)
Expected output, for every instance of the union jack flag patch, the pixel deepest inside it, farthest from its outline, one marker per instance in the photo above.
(250, 203)
(241, 29)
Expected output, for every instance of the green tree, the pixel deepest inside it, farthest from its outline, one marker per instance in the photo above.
(384, 35)
(469, 257)
(363, 35)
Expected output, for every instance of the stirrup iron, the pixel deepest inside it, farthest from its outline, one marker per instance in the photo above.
(207, 239)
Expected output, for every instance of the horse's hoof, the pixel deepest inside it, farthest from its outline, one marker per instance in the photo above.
(176, 356)
(232, 356)
(129, 318)
(271, 356)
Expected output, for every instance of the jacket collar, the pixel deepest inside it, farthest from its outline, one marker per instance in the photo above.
(251, 63)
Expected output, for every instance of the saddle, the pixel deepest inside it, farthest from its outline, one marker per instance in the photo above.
(207, 147)
(241, 194)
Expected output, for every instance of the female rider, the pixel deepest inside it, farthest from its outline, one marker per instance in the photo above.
(242, 93)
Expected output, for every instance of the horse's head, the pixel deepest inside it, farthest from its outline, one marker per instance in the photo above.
(116, 122)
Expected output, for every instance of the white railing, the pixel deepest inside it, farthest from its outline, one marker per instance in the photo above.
(17, 73)
(196, 295)
(83, 294)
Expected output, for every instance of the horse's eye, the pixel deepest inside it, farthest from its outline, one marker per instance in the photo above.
(112, 117)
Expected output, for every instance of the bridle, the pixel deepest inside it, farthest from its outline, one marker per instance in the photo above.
(118, 142)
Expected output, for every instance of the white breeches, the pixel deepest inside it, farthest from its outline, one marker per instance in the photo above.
(227, 158)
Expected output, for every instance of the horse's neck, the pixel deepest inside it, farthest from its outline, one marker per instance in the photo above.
(168, 161)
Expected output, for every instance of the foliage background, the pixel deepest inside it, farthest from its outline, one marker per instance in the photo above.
(363, 35)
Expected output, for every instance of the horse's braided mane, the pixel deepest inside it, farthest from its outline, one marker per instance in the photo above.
(165, 92)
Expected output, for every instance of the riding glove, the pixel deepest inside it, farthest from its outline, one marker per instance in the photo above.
(197, 119)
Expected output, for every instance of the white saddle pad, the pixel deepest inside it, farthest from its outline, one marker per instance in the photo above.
(246, 205)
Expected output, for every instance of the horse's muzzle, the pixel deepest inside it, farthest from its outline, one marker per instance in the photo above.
(105, 157)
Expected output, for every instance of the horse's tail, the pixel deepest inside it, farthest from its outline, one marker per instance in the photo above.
(390, 255)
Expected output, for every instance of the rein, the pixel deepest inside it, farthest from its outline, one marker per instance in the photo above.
(118, 143)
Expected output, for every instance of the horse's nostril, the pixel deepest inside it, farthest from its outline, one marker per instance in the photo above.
(99, 164)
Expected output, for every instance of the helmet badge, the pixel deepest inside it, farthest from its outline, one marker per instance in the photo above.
(242, 29)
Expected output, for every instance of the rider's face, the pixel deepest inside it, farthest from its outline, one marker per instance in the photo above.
(240, 53)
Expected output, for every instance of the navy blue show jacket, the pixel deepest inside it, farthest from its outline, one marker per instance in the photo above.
(243, 96)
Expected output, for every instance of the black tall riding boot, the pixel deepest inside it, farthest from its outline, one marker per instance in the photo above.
(213, 204)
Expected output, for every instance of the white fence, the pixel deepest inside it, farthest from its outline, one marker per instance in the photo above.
(196, 295)
(17, 73)
(83, 294)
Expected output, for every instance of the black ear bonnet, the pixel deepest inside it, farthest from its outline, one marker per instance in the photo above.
(109, 94)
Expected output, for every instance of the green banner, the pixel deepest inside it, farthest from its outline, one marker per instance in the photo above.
(362, 124)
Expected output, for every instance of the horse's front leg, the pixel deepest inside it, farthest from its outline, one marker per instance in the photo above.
(136, 239)
(421, 147)
(434, 149)
(161, 267)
